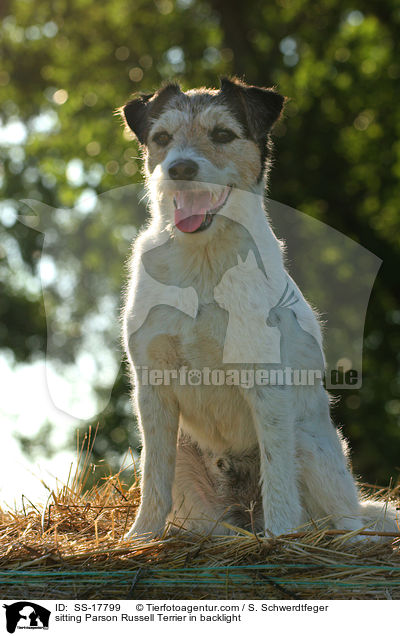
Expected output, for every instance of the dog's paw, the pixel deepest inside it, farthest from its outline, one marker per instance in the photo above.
(138, 534)
(363, 539)
(144, 531)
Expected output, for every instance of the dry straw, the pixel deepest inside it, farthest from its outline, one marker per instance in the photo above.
(72, 548)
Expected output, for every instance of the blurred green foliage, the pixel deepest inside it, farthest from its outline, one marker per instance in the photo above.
(66, 66)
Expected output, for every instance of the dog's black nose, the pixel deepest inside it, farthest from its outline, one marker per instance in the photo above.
(183, 169)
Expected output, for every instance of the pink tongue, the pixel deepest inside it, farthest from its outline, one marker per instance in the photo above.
(191, 209)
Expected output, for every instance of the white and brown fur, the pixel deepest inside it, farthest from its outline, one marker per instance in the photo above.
(264, 458)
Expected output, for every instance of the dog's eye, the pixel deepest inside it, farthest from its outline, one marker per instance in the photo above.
(222, 135)
(162, 138)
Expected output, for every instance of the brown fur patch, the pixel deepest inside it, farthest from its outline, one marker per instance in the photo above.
(164, 351)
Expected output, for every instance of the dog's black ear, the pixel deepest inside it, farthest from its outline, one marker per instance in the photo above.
(139, 112)
(135, 115)
(257, 108)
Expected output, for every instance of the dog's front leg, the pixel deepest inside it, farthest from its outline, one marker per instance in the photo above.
(158, 422)
(273, 416)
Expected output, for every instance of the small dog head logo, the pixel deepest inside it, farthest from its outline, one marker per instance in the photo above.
(26, 615)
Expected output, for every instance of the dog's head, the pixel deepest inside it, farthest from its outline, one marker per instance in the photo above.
(202, 145)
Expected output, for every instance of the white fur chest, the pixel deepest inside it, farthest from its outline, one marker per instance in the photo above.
(197, 310)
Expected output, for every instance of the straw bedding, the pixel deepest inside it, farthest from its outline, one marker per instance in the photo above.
(71, 548)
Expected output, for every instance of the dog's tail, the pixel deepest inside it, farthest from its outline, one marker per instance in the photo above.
(381, 516)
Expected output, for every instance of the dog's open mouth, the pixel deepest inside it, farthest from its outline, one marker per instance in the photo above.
(195, 209)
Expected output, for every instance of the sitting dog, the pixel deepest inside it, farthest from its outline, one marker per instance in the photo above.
(208, 283)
